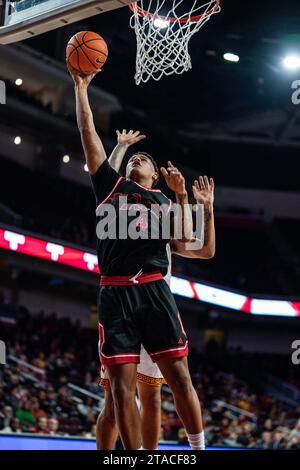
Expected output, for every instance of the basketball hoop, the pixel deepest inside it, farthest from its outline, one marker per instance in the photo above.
(163, 31)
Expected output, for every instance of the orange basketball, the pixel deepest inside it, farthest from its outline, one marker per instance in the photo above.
(86, 52)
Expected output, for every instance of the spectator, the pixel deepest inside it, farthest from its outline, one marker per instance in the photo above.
(296, 431)
(53, 426)
(42, 426)
(277, 443)
(6, 416)
(13, 427)
(40, 361)
(171, 427)
(294, 443)
(265, 442)
(92, 433)
(37, 412)
(246, 437)
(182, 437)
(268, 425)
(24, 413)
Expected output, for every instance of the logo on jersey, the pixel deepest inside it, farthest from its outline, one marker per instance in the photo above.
(134, 279)
(134, 198)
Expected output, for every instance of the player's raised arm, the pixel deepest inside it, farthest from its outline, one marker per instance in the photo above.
(204, 194)
(204, 191)
(183, 221)
(205, 249)
(125, 140)
(91, 142)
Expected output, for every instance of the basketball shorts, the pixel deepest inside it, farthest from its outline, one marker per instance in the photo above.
(147, 372)
(139, 314)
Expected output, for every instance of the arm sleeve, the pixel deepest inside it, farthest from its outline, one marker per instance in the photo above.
(104, 181)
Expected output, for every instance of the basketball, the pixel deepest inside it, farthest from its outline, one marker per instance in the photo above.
(86, 52)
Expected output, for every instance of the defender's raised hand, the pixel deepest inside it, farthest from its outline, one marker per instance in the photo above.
(174, 179)
(204, 190)
(129, 138)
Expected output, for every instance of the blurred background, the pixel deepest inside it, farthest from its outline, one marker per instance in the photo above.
(231, 118)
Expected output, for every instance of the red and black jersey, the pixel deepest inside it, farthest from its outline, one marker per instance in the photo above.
(121, 255)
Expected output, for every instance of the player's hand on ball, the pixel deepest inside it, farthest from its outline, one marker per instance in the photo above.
(204, 190)
(129, 138)
(80, 78)
(174, 179)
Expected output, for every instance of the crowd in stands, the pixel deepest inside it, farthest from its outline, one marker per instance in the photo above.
(39, 399)
(253, 419)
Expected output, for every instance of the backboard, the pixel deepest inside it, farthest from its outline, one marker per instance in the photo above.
(23, 19)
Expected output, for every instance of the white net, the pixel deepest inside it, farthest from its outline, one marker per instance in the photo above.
(163, 30)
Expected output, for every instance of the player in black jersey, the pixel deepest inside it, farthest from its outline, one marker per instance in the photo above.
(149, 377)
(135, 303)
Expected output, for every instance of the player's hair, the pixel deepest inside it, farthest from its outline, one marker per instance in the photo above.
(153, 163)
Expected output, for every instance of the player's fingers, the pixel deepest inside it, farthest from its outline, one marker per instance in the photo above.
(118, 132)
(170, 164)
(206, 182)
(124, 131)
(135, 140)
(212, 184)
(131, 131)
(70, 68)
(196, 185)
(140, 137)
(135, 134)
(201, 181)
(173, 169)
(164, 172)
(74, 72)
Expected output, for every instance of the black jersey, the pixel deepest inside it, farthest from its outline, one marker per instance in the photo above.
(119, 255)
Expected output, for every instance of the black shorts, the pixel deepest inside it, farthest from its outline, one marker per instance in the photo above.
(132, 315)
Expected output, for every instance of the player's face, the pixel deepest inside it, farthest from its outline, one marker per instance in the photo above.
(140, 167)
